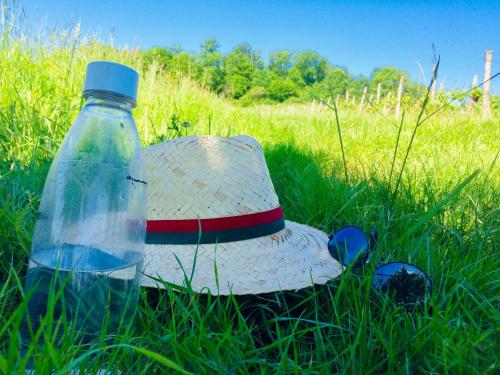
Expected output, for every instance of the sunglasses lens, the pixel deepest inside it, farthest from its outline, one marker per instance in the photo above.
(408, 284)
(348, 244)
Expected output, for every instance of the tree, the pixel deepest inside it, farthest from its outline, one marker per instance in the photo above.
(209, 46)
(239, 72)
(162, 56)
(187, 64)
(336, 81)
(358, 84)
(253, 56)
(213, 62)
(262, 78)
(286, 75)
(280, 62)
(308, 68)
(389, 78)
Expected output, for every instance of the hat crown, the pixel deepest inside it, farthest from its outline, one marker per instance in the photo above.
(207, 177)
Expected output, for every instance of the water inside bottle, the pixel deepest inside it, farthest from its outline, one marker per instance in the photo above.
(98, 288)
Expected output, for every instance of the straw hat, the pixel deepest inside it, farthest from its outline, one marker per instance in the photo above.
(211, 199)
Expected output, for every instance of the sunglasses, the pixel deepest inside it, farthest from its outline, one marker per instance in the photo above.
(407, 284)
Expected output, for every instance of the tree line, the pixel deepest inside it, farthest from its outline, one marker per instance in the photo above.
(242, 74)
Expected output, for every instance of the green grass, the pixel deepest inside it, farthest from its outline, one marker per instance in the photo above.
(440, 220)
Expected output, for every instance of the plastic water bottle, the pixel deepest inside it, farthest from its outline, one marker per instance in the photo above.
(89, 235)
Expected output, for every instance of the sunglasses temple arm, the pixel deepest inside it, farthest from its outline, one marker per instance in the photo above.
(373, 239)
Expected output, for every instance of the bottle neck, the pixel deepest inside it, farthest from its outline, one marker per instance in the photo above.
(108, 100)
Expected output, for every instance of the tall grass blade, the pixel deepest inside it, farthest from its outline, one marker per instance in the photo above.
(158, 358)
(393, 163)
(333, 107)
(417, 125)
(3, 364)
(340, 140)
(447, 199)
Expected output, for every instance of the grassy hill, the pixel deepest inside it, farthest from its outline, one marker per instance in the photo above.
(439, 219)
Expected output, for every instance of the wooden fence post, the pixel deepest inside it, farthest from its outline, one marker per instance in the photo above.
(379, 91)
(400, 94)
(486, 110)
(433, 87)
(473, 97)
(386, 102)
(362, 99)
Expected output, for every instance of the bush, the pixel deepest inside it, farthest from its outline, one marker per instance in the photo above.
(256, 95)
(280, 90)
(162, 56)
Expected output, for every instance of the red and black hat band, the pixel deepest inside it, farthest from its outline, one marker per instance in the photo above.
(214, 230)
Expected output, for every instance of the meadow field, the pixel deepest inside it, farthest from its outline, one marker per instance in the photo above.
(443, 216)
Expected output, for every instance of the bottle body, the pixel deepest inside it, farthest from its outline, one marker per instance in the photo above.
(89, 235)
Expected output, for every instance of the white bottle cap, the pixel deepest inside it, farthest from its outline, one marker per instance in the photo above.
(106, 76)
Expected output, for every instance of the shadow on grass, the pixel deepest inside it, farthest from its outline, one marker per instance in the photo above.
(342, 326)
(312, 192)
(345, 322)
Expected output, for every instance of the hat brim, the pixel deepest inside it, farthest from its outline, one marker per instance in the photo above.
(293, 258)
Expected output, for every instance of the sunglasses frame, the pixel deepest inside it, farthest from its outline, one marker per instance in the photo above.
(372, 240)
(408, 264)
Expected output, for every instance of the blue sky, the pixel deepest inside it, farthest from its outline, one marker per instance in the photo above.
(360, 35)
